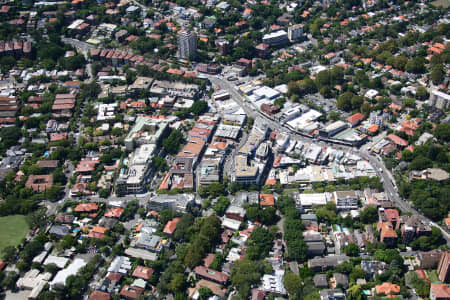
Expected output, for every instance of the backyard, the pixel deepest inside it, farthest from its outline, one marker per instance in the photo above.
(12, 230)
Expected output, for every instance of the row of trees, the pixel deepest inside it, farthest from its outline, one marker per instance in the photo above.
(293, 229)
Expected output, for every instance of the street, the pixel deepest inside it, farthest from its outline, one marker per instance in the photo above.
(385, 174)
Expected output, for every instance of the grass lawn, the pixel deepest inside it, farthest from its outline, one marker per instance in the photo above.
(443, 3)
(12, 230)
(432, 275)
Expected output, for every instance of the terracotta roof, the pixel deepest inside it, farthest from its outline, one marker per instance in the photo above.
(97, 232)
(211, 274)
(391, 214)
(98, 295)
(372, 128)
(142, 272)
(58, 136)
(39, 183)
(208, 259)
(258, 294)
(215, 288)
(171, 226)
(355, 118)
(131, 292)
(86, 207)
(440, 291)
(266, 200)
(115, 212)
(447, 221)
(114, 276)
(86, 165)
(386, 230)
(175, 71)
(397, 140)
(387, 288)
(193, 148)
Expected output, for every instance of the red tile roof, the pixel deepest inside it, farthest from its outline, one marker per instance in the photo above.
(397, 140)
(171, 226)
(98, 295)
(447, 221)
(208, 259)
(391, 214)
(86, 207)
(372, 128)
(86, 165)
(387, 288)
(440, 291)
(58, 136)
(114, 276)
(355, 118)
(115, 212)
(131, 292)
(211, 274)
(266, 200)
(142, 272)
(39, 183)
(97, 232)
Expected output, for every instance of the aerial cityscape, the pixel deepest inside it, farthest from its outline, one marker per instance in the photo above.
(224, 149)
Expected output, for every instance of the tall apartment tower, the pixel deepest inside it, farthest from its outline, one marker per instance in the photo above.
(295, 32)
(443, 269)
(187, 44)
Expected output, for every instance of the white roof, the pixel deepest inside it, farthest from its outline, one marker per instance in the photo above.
(231, 224)
(266, 92)
(75, 24)
(371, 93)
(274, 34)
(314, 199)
(60, 262)
(72, 269)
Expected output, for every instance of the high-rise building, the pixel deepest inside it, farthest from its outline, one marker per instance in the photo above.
(443, 269)
(187, 44)
(295, 32)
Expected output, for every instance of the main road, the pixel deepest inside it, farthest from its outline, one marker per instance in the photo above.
(376, 162)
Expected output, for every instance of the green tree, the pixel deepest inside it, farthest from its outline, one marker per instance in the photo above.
(344, 101)
(244, 274)
(351, 249)
(204, 293)
(420, 163)
(416, 65)
(9, 282)
(293, 284)
(356, 102)
(437, 74)
(221, 205)
(422, 93)
(172, 143)
(9, 254)
(199, 107)
(159, 163)
(354, 292)
(178, 282)
(442, 132)
(369, 215)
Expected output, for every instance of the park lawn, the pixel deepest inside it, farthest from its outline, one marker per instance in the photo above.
(442, 3)
(432, 275)
(12, 230)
